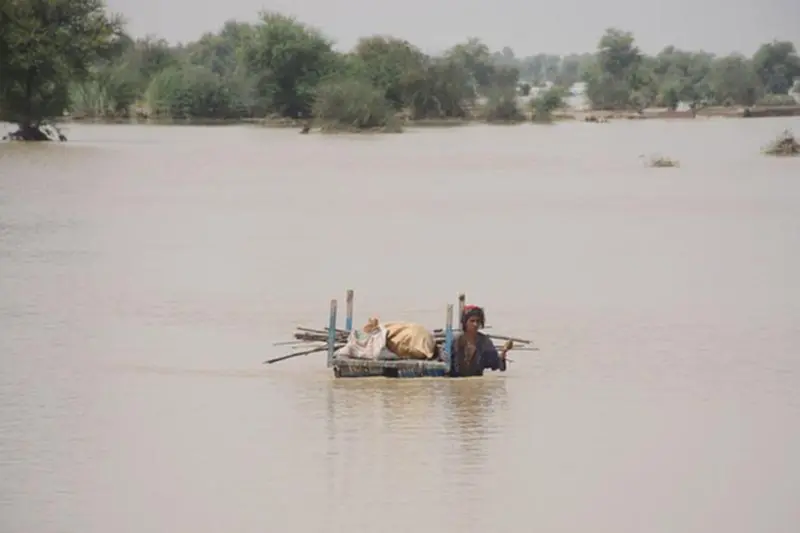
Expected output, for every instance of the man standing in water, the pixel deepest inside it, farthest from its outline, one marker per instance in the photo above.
(472, 351)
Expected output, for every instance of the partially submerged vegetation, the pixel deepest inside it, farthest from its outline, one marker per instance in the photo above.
(280, 68)
(501, 108)
(545, 104)
(37, 67)
(783, 145)
(352, 105)
(42, 131)
(658, 161)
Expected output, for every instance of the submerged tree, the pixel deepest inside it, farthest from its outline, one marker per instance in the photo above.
(43, 47)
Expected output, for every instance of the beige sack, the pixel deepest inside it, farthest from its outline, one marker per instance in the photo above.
(409, 341)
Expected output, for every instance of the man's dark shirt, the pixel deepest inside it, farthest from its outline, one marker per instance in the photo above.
(485, 356)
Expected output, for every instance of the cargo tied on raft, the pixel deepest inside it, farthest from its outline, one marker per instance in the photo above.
(390, 349)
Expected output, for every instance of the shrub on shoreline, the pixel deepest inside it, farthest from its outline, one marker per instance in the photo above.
(545, 104)
(501, 108)
(353, 105)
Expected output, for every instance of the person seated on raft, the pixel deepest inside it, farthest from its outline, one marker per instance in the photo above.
(472, 351)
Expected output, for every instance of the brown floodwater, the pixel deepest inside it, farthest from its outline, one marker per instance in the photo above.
(145, 273)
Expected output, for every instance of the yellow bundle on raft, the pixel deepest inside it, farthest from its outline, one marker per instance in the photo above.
(410, 341)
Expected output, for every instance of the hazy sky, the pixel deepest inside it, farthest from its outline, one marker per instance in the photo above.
(527, 26)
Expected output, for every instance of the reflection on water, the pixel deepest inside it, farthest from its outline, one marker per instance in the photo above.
(435, 434)
(471, 407)
(462, 409)
(146, 272)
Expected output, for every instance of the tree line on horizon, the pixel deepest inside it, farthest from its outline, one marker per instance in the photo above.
(71, 55)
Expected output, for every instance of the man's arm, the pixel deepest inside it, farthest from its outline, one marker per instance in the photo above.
(492, 359)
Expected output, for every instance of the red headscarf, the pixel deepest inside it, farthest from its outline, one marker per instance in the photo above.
(470, 311)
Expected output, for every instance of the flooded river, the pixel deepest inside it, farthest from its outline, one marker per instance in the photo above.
(145, 273)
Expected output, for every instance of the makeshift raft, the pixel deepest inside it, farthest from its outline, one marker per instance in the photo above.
(331, 339)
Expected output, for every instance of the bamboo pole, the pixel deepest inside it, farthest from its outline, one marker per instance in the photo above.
(348, 322)
(332, 333)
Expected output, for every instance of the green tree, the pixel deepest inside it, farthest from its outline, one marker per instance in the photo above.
(59, 52)
(187, 91)
(532, 69)
(445, 91)
(44, 46)
(733, 81)
(505, 57)
(286, 59)
(116, 86)
(149, 56)
(547, 102)
(504, 77)
(474, 57)
(223, 53)
(777, 65)
(501, 107)
(110, 90)
(617, 72)
(393, 65)
(682, 76)
(220, 52)
(352, 104)
(571, 70)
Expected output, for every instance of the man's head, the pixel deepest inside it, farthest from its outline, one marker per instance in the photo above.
(473, 319)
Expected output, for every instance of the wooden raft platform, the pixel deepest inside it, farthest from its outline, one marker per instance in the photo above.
(346, 367)
(331, 339)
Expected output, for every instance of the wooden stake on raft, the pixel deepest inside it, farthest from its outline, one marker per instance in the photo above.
(448, 336)
(348, 321)
(331, 333)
